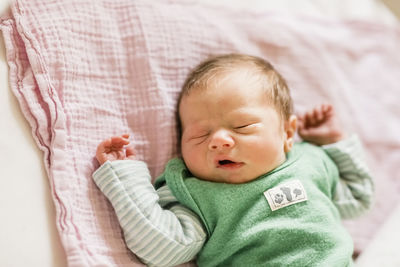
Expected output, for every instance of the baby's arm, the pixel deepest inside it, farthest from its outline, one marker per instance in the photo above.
(354, 189)
(158, 229)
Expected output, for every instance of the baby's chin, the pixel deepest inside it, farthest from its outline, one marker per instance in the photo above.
(228, 179)
(241, 175)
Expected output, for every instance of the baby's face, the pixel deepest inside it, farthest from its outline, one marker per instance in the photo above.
(230, 132)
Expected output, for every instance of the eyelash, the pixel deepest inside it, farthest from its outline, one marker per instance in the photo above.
(203, 137)
(243, 126)
(246, 129)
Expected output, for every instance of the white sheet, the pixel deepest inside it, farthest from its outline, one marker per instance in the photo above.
(383, 250)
(28, 233)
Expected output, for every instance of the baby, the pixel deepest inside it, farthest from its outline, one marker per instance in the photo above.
(243, 193)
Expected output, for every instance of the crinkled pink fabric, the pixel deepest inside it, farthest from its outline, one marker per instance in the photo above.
(85, 70)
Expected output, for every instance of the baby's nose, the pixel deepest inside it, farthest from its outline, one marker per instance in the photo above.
(221, 140)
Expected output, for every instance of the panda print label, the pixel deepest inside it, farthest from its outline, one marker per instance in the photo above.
(285, 194)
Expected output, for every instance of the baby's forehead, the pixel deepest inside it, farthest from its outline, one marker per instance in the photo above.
(230, 92)
(244, 76)
(239, 70)
(229, 82)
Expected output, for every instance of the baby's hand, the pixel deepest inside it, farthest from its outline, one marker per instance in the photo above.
(320, 126)
(115, 148)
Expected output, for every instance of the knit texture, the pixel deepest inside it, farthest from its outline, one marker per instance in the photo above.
(244, 231)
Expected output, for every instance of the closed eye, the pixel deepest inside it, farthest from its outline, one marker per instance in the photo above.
(243, 126)
(246, 128)
(201, 138)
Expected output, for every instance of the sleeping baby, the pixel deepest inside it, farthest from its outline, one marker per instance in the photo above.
(243, 193)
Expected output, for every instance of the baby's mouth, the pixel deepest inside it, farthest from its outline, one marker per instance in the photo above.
(225, 162)
(229, 164)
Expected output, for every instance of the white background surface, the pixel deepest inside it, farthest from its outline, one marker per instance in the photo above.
(28, 235)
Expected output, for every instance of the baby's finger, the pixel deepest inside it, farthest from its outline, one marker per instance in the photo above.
(104, 146)
(130, 152)
(310, 119)
(125, 138)
(327, 108)
(102, 150)
(119, 141)
(107, 142)
(317, 115)
(320, 114)
(120, 154)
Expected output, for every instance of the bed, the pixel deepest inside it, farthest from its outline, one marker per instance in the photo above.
(35, 227)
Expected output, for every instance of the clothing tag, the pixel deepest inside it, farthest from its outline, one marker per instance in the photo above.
(285, 194)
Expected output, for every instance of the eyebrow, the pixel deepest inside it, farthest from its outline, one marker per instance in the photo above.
(245, 113)
(195, 128)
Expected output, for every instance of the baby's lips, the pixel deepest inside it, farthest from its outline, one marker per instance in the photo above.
(220, 159)
(227, 163)
(230, 165)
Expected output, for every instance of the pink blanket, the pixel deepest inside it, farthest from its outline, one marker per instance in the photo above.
(84, 70)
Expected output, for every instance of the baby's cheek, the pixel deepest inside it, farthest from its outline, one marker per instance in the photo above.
(197, 166)
(192, 156)
(264, 152)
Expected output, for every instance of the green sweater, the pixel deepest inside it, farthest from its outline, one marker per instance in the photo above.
(296, 225)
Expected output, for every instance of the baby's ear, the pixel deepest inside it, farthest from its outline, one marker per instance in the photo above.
(290, 130)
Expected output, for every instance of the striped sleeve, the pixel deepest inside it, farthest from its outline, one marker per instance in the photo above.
(159, 230)
(354, 191)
